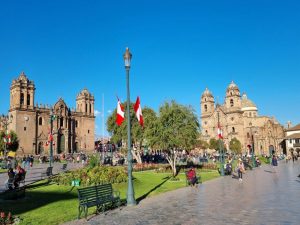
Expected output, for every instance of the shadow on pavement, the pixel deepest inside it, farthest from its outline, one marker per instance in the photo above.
(153, 189)
(268, 171)
(235, 176)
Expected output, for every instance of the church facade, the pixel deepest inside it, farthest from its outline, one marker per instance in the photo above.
(238, 117)
(73, 129)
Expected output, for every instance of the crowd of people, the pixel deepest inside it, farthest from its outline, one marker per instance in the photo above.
(17, 167)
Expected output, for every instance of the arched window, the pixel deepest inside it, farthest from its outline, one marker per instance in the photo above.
(206, 132)
(248, 135)
(28, 99)
(231, 102)
(22, 99)
(205, 108)
(250, 114)
(233, 130)
(205, 99)
(40, 121)
(86, 108)
(76, 123)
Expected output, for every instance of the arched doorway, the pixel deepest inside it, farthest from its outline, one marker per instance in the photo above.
(40, 149)
(61, 144)
(271, 150)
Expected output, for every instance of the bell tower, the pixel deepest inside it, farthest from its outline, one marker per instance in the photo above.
(85, 103)
(22, 93)
(207, 103)
(233, 97)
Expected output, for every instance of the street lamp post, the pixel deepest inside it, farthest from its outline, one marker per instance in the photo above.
(221, 150)
(52, 117)
(130, 191)
(252, 147)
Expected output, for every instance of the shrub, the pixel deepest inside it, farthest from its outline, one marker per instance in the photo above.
(92, 176)
(93, 161)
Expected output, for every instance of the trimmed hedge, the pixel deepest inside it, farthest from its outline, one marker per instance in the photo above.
(92, 176)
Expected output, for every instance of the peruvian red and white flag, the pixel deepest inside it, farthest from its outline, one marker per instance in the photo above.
(138, 111)
(50, 135)
(9, 139)
(120, 113)
(220, 132)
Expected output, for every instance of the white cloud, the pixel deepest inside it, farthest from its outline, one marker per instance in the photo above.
(97, 113)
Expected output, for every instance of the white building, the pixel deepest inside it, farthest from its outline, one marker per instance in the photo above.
(293, 139)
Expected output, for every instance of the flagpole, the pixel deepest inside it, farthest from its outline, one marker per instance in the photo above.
(220, 145)
(102, 118)
(102, 128)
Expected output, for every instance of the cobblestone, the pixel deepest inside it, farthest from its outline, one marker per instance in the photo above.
(266, 195)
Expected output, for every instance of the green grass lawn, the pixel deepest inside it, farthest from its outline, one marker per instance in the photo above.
(54, 204)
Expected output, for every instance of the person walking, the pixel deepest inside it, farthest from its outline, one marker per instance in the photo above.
(241, 169)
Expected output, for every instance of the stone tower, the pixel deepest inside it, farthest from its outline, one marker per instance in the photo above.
(22, 93)
(207, 109)
(85, 103)
(207, 103)
(233, 97)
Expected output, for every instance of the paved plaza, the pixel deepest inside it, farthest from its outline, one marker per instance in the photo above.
(33, 174)
(267, 195)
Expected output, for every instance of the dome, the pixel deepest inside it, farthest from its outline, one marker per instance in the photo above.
(232, 86)
(247, 104)
(85, 92)
(207, 93)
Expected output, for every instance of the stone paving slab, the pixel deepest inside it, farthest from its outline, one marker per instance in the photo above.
(266, 195)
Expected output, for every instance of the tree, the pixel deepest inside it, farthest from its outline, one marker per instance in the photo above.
(235, 146)
(138, 133)
(13, 145)
(202, 144)
(214, 144)
(177, 128)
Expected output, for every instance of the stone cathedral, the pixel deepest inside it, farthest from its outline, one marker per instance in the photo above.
(73, 129)
(239, 118)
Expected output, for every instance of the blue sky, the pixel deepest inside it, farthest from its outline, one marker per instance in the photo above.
(178, 47)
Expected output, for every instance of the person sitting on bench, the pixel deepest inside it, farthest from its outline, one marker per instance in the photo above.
(19, 176)
(191, 176)
(11, 178)
(228, 168)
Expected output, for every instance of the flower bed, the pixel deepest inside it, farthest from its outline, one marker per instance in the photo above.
(6, 219)
(148, 166)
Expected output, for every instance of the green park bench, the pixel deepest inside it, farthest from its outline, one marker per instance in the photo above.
(14, 193)
(99, 195)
